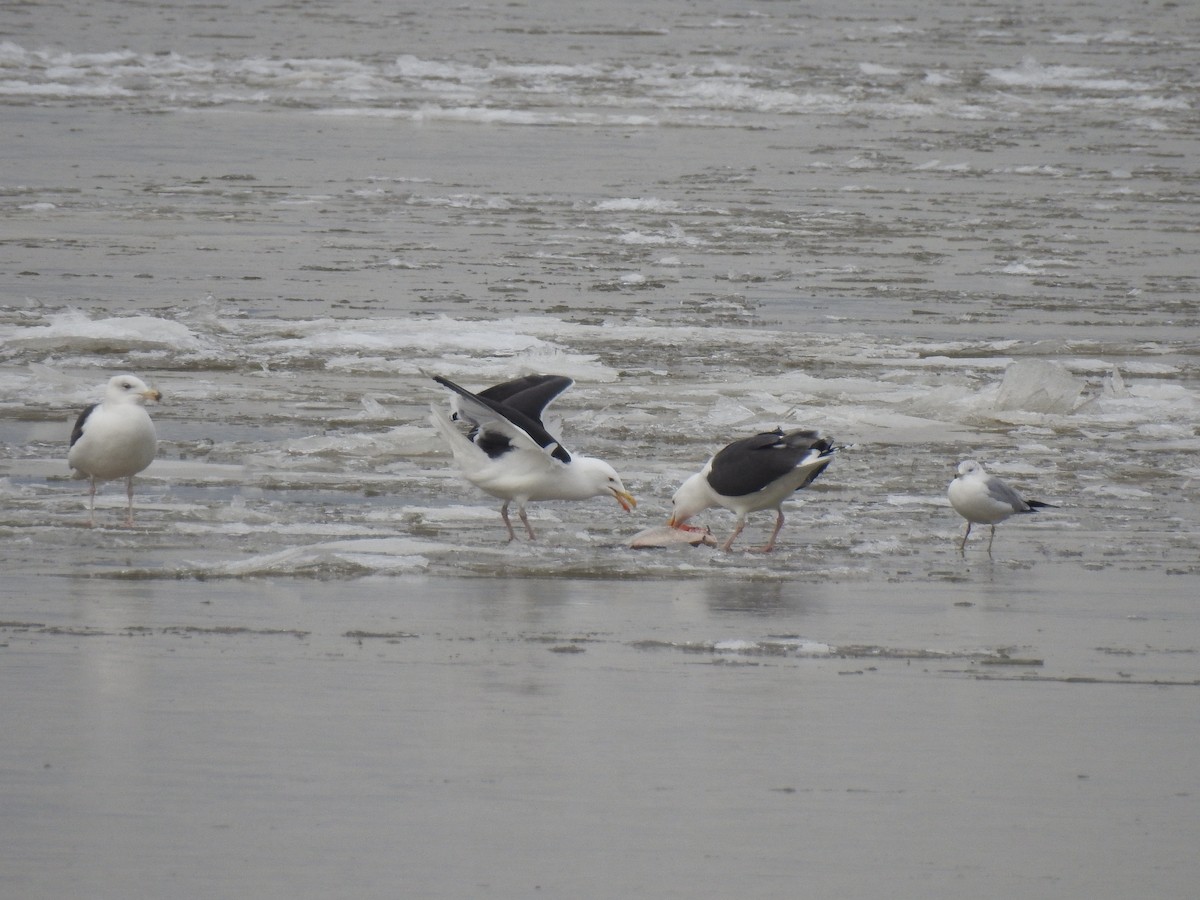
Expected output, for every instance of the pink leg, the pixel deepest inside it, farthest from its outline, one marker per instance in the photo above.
(512, 535)
(770, 544)
(92, 503)
(737, 529)
(525, 522)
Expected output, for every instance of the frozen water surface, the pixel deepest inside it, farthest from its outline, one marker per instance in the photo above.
(314, 668)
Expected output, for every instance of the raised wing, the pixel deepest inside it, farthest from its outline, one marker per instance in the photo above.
(501, 425)
(530, 394)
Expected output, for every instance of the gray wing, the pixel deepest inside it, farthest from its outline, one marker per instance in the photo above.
(1003, 493)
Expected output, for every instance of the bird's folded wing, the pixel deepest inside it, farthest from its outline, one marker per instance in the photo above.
(1002, 492)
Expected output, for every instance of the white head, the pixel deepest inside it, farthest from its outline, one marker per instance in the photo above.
(129, 389)
(969, 467)
(597, 478)
(693, 496)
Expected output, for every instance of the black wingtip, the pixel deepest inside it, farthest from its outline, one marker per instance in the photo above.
(450, 385)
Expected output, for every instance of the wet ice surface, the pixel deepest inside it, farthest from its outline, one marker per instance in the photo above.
(315, 659)
(319, 462)
(592, 738)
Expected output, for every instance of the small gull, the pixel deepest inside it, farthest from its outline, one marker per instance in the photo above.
(506, 451)
(752, 474)
(985, 499)
(114, 438)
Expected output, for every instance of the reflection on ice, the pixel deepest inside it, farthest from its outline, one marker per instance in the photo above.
(330, 559)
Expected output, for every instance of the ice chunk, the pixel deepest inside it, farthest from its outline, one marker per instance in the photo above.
(1113, 384)
(1037, 385)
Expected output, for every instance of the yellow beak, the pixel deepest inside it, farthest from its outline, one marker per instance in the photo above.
(625, 499)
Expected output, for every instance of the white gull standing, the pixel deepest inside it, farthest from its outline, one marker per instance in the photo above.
(507, 451)
(985, 499)
(751, 474)
(114, 438)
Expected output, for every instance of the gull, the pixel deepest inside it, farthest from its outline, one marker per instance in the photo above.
(987, 500)
(114, 438)
(752, 474)
(507, 451)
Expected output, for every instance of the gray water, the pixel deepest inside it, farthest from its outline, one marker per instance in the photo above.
(315, 668)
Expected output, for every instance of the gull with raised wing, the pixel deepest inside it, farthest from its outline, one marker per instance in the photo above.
(502, 447)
